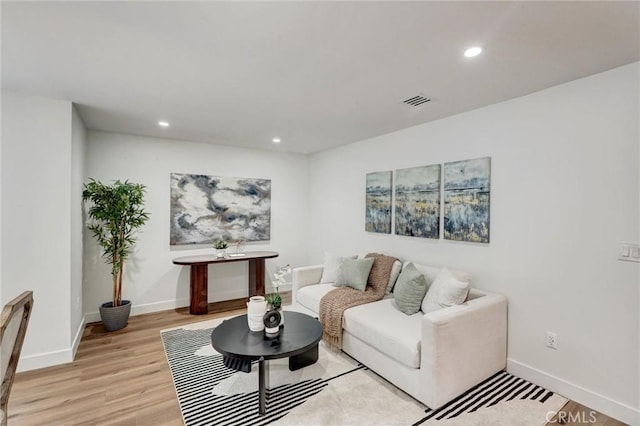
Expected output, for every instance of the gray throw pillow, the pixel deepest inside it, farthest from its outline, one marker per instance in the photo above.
(331, 267)
(354, 273)
(410, 290)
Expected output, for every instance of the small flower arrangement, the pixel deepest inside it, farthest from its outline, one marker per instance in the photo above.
(275, 299)
(221, 245)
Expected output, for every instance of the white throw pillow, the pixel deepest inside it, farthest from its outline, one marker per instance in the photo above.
(395, 273)
(331, 267)
(445, 291)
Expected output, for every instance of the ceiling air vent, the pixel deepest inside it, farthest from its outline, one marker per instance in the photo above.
(417, 100)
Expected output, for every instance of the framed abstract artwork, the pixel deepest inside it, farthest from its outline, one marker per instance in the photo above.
(378, 202)
(209, 208)
(417, 201)
(467, 189)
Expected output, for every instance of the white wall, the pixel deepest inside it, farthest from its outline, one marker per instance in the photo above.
(151, 281)
(565, 191)
(36, 200)
(78, 147)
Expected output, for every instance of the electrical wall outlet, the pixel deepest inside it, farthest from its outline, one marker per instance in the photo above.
(552, 340)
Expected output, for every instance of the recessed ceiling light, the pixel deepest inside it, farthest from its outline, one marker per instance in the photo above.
(275, 140)
(163, 123)
(473, 51)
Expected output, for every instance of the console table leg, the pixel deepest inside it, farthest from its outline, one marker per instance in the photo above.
(199, 304)
(263, 385)
(256, 277)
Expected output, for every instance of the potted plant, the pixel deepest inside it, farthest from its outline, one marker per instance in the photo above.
(221, 248)
(116, 213)
(275, 301)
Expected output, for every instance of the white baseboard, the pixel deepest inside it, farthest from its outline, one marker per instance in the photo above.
(579, 394)
(146, 308)
(78, 338)
(165, 305)
(47, 359)
(92, 317)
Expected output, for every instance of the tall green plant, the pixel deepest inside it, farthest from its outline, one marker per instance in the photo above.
(116, 212)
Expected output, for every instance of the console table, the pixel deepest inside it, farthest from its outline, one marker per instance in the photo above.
(199, 303)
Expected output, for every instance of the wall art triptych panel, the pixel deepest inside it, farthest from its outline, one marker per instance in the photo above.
(378, 202)
(467, 188)
(209, 208)
(417, 201)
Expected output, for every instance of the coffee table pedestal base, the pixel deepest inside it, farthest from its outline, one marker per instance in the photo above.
(237, 364)
(304, 359)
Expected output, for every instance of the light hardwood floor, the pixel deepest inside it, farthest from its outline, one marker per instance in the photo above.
(122, 378)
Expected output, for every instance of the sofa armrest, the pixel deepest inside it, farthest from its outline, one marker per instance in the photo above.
(304, 276)
(463, 345)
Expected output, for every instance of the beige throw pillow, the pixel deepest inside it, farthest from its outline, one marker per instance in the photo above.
(445, 291)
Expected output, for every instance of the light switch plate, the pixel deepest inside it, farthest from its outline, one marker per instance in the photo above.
(629, 252)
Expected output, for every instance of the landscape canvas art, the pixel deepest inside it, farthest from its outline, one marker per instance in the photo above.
(205, 209)
(378, 202)
(417, 201)
(467, 187)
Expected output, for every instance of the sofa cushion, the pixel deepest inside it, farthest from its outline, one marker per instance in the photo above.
(310, 296)
(332, 266)
(354, 273)
(445, 291)
(410, 290)
(382, 326)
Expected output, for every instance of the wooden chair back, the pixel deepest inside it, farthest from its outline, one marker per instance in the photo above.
(13, 327)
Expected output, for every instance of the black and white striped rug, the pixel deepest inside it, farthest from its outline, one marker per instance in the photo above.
(336, 390)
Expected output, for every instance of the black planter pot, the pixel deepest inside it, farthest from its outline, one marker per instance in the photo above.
(115, 318)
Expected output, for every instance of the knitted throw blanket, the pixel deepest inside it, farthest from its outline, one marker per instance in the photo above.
(335, 302)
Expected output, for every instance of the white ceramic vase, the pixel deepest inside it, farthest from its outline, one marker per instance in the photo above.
(256, 308)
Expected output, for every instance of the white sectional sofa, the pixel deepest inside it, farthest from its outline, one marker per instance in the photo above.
(433, 357)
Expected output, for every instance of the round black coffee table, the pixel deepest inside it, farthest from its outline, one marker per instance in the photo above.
(298, 340)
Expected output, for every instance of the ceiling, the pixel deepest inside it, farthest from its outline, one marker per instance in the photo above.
(315, 74)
